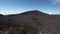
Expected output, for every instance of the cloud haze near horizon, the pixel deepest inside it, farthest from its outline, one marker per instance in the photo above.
(19, 6)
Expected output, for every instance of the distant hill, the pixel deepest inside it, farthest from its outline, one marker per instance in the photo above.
(1, 15)
(33, 12)
(34, 21)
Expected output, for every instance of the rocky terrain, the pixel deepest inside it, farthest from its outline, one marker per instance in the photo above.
(30, 22)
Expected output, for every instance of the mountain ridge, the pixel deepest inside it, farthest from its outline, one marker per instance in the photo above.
(35, 19)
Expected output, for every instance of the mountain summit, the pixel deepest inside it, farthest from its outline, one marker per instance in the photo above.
(34, 22)
(33, 12)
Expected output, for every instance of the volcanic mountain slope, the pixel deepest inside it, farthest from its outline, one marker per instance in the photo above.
(35, 22)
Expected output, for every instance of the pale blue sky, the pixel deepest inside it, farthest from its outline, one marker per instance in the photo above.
(19, 6)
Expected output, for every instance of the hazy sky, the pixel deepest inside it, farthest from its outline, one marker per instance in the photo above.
(18, 6)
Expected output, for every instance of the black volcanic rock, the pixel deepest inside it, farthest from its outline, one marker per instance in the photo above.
(1, 15)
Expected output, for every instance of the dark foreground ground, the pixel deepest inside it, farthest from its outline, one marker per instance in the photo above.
(30, 22)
